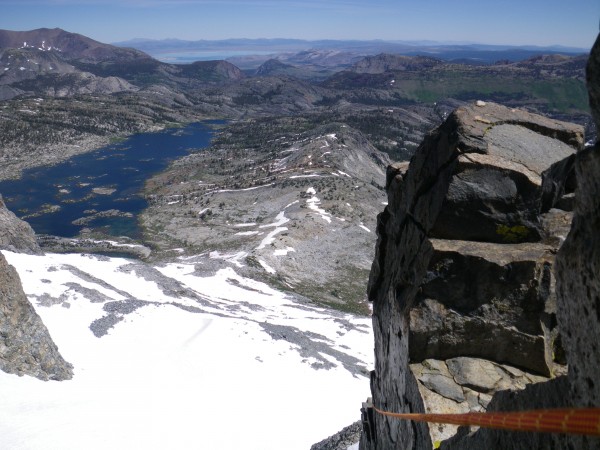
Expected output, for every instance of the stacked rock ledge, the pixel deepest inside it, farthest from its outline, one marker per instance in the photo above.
(462, 283)
(578, 314)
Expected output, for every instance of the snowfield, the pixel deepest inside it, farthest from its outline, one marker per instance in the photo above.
(177, 357)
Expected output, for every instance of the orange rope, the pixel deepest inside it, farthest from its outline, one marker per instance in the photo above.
(569, 421)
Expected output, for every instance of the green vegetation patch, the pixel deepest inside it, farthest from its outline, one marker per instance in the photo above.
(513, 234)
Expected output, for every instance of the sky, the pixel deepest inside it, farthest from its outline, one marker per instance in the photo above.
(572, 23)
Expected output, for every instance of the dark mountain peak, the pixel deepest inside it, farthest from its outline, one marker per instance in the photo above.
(212, 71)
(71, 46)
(272, 66)
(386, 62)
(19, 64)
(31, 39)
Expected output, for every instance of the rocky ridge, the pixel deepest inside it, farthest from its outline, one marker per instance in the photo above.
(387, 63)
(276, 209)
(463, 268)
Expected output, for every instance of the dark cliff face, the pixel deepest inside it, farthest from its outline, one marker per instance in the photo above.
(480, 184)
(26, 347)
(578, 265)
(15, 234)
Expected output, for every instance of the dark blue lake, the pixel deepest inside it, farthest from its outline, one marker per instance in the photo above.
(63, 199)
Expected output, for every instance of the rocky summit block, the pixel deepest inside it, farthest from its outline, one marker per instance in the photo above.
(503, 173)
(578, 314)
(464, 258)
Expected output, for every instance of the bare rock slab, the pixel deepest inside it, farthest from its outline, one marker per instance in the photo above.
(503, 177)
(492, 301)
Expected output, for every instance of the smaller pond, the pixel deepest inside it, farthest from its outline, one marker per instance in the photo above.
(100, 189)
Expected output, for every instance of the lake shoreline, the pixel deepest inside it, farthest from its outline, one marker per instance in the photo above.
(113, 247)
(100, 190)
(53, 154)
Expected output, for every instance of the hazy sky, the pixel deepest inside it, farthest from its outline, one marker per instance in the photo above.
(532, 22)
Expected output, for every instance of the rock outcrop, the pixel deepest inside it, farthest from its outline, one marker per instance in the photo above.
(578, 314)
(26, 347)
(15, 234)
(340, 440)
(322, 187)
(578, 265)
(492, 301)
(462, 279)
(387, 62)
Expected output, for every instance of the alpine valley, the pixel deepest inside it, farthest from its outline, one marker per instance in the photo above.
(239, 296)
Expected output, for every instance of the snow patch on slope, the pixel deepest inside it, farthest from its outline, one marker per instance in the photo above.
(188, 351)
(314, 202)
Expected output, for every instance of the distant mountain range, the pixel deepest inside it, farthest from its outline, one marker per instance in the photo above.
(176, 50)
(58, 63)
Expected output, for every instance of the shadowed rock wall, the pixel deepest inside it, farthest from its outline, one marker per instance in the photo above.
(26, 347)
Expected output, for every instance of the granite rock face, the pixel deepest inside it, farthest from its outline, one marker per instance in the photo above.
(463, 260)
(578, 314)
(26, 347)
(495, 194)
(578, 284)
(578, 265)
(15, 234)
(485, 300)
(593, 81)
